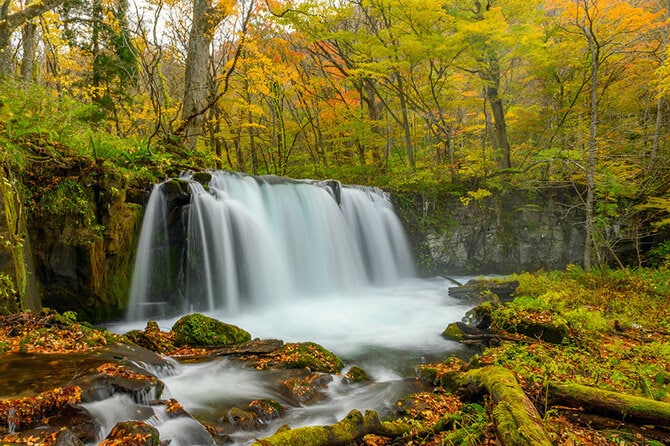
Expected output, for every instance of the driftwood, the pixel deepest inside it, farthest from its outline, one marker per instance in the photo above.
(516, 420)
(354, 426)
(629, 408)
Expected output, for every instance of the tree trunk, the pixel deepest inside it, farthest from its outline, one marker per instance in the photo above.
(5, 50)
(196, 78)
(354, 426)
(589, 244)
(500, 143)
(10, 21)
(659, 101)
(629, 408)
(516, 420)
(29, 44)
(405, 122)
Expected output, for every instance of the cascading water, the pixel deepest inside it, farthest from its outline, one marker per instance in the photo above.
(255, 240)
(306, 261)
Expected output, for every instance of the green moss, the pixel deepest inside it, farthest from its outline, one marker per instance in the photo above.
(203, 331)
(308, 354)
(356, 375)
(453, 332)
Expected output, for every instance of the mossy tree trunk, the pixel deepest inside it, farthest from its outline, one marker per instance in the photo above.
(628, 408)
(354, 426)
(517, 421)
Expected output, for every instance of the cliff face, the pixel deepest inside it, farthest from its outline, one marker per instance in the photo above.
(511, 232)
(84, 250)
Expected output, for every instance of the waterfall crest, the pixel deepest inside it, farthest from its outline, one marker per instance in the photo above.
(244, 240)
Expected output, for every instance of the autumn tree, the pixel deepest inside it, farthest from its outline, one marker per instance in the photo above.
(13, 17)
(614, 34)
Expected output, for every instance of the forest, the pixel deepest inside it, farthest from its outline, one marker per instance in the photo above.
(439, 102)
(417, 95)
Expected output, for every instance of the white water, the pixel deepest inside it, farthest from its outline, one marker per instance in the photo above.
(384, 330)
(288, 260)
(250, 241)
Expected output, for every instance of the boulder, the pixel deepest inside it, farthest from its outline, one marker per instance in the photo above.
(302, 355)
(198, 330)
(267, 410)
(308, 389)
(355, 375)
(132, 433)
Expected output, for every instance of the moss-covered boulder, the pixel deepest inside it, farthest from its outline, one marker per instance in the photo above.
(132, 432)
(307, 390)
(198, 330)
(355, 375)
(267, 409)
(302, 355)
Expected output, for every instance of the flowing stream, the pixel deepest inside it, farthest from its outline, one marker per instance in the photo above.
(297, 261)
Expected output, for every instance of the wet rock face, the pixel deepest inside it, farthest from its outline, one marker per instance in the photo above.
(84, 232)
(516, 231)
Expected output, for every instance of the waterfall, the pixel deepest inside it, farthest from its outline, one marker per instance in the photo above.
(244, 240)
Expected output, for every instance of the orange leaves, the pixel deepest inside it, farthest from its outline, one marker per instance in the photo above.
(32, 332)
(25, 412)
(110, 369)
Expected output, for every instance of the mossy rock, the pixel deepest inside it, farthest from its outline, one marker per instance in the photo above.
(202, 177)
(152, 338)
(536, 324)
(267, 409)
(133, 432)
(176, 186)
(243, 420)
(355, 375)
(453, 332)
(198, 330)
(303, 355)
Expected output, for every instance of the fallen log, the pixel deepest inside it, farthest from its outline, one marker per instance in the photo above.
(629, 408)
(516, 420)
(601, 423)
(354, 426)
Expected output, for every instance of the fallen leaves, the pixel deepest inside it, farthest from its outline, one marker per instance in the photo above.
(25, 412)
(49, 332)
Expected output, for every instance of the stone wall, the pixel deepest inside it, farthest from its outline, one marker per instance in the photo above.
(503, 233)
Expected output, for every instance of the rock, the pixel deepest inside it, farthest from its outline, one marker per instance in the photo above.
(308, 389)
(132, 433)
(115, 378)
(152, 338)
(441, 373)
(30, 411)
(535, 324)
(477, 291)
(79, 422)
(467, 334)
(42, 436)
(242, 419)
(453, 332)
(355, 375)
(202, 177)
(254, 347)
(511, 231)
(302, 355)
(266, 409)
(198, 330)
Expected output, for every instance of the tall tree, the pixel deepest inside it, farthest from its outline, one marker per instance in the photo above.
(11, 19)
(614, 33)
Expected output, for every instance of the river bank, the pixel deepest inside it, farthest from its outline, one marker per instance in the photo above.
(619, 345)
